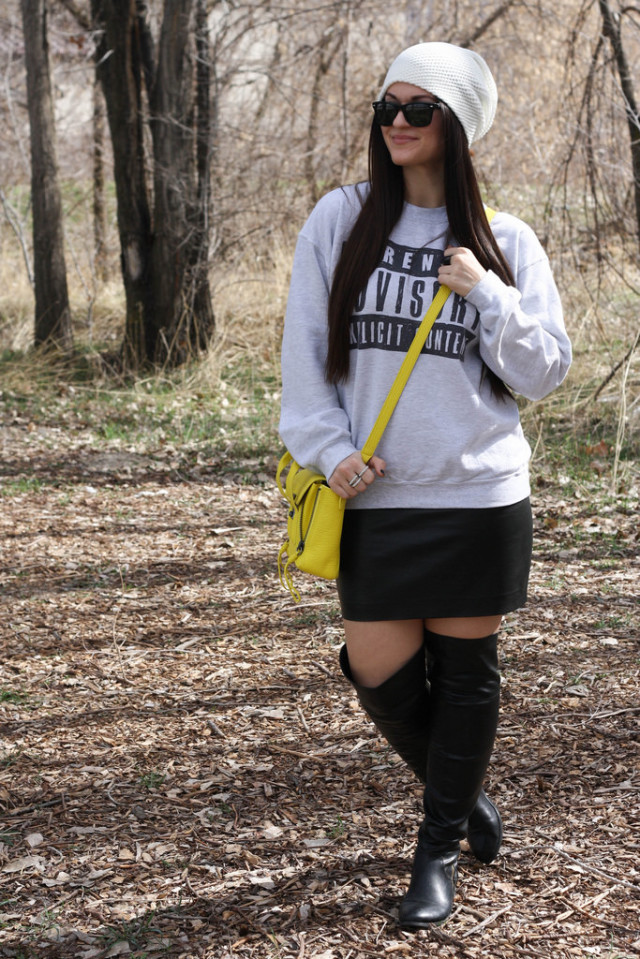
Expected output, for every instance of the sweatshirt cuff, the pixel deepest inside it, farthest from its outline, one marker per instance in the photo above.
(328, 459)
(489, 292)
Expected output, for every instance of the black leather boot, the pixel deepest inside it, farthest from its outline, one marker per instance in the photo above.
(465, 693)
(399, 708)
(429, 898)
(484, 829)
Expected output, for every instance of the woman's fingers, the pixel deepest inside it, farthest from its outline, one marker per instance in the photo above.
(460, 270)
(378, 465)
(352, 476)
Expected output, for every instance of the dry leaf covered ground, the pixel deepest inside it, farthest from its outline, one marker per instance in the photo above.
(183, 773)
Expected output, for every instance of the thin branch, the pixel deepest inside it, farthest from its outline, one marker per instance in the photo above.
(484, 26)
(617, 367)
(16, 226)
(81, 16)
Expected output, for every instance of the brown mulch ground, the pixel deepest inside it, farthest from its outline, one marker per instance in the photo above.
(183, 772)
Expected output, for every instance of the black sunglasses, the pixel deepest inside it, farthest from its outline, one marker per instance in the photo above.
(416, 114)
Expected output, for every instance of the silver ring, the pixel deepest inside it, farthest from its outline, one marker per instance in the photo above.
(357, 477)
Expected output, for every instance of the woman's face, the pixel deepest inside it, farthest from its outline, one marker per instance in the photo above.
(414, 146)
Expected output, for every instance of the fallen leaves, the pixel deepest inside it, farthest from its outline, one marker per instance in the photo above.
(25, 863)
(185, 774)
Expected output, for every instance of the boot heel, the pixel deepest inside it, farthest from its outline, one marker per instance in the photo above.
(484, 831)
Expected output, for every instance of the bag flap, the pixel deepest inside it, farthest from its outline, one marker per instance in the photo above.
(299, 481)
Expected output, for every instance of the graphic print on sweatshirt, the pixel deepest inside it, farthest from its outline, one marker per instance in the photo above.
(396, 299)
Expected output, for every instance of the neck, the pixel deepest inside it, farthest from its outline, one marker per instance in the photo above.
(424, 187)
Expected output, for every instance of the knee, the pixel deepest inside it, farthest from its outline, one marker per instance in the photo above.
(464, 669)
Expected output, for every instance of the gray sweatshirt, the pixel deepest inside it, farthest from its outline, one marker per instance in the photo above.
(450, 442)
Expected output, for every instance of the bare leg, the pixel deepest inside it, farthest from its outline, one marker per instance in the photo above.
(465, 627)
(378, 650)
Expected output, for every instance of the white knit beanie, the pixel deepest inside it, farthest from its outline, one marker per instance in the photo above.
(458, 76)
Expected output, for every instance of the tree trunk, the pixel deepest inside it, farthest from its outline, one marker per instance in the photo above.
(183, 318)
(119, 70)
(199, 253)
(611, 27)
(164, 260)
(52, 314)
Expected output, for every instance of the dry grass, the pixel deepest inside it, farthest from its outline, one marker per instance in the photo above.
(241, 369)
(249, 299)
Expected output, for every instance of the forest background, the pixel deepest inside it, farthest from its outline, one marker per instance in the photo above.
(181, 771)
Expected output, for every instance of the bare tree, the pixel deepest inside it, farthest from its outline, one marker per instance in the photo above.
(164, 226)
(272, 110)
(605, 121)
(52, 314)
(612, 26)
(182, 317)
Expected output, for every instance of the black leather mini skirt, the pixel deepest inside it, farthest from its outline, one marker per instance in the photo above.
(420, 563)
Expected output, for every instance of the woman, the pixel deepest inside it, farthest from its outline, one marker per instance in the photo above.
(437, 536)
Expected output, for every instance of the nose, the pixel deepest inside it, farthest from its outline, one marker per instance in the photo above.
(400, 119)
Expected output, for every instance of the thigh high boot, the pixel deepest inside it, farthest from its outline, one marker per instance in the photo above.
(399, 708)
(465, 694)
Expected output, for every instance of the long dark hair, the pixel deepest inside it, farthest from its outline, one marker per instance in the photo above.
(381, 210)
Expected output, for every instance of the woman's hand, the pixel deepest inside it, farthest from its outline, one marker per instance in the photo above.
(352, 476)
(463, 270)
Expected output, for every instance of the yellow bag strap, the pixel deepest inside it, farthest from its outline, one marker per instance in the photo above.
(404, 373)
(282, 465)
(406, 368)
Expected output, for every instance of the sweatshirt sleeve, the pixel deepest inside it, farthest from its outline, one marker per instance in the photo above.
(523, 337)
(313, 425)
